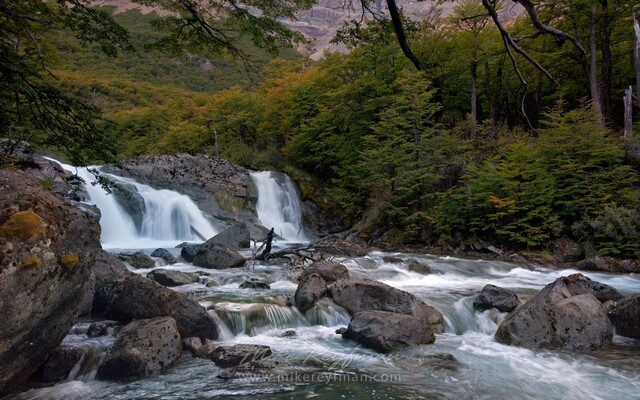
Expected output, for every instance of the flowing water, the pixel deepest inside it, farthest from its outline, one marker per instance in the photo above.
(318, 363)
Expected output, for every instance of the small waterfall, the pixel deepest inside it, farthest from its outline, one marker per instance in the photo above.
(160, 216)
(326, 312)
(278, 205)
(252, 319)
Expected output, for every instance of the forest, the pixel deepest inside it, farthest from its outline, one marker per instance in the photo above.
(502, 132)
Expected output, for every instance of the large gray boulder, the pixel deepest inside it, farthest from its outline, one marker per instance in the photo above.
(626, 317)
(47, 250)
(165, 255)
(311, 288)
(330, 271)
(493, 296)
(237, 236)
(358, 295)
(142, 348)
(218, 257)
(172, 278)
(124, 296)
(579, 284)
(137, 260)
(562, 315)
(386, 331)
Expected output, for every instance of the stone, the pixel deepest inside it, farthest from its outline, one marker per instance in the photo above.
(237, 236)
(311, 288)
(579, 284)
(493, 296)
(218, 257)
(562, 315)
(124, 296)
(192, 344)
(165, 255)
(419, 268)
(172, 278)
(230, 356)
(392, 260)
(206, 350)
(387, 331)
(254, 283)
(142, 348)
(600, 263)
(60, 364)
(138, 260)
(626, 317)
(40, 295)
(565, 249)
(358, 295)
(97, 329)
(330, 271)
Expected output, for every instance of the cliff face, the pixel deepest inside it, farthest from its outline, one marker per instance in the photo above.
(47, 251)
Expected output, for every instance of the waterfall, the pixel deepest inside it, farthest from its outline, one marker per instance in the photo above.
(278, 205)
(165, 218)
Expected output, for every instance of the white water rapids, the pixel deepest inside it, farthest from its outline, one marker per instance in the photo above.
(335, 368)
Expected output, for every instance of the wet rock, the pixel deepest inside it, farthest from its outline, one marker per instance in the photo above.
(141, 349)
(289, 333)
(562, 315)
(172, 278)
(47, 250)
(189, 251)
(601, 263)
(87, 297)
(493, 296)
(230, 356)
(137, 260)
(97, 329)
(206, 350)
(60, 363)
(330, 271)
(419, 268)
(254, 283)
(387, 331)
(358, 295)
(218, 257)
(579, 284)
(123, 295)
(236, 236)
(130, 200)
(565, 249)
(444, 361)
(341, 331)
(192, 344)
(626, 317)
(255, 368)
(392, 260)
(311, 288)
(632, 266)
(165, 255)
(339, 247)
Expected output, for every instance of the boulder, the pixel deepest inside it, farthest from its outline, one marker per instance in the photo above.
(237, 236)
(579, 284)
(330, 271)
(392, 260)
(192, 344)
(254, 283)
(230, 356)
(340, 247)
(47, 250)
(97, 329)
(493, 296)
(626, 317)
(123, 295)
(189, 251)
(562, 315)
(60, 364)
(165, 255)
(171, 278)
(130, 200)
(218, 257)
(87, 298)
(601, 263)
(141, 349)
(206, 350)
(631, 266)
(387, 331)
(311, 288)
(358, 295)
(138, 260)
(565, 249)
(419, 268)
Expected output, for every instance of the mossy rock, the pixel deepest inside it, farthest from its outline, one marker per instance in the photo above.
(69, 261)
(229, 202)
(32, 263)
(24, 225)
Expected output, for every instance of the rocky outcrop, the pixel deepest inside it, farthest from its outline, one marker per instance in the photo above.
(387, 331)
(172, 278)
(218, 257)
(340, 247)
(47, 249)
(600, 263)
(311, 288)
(137, 260)
(493, 296)
(142, 348)
(626, 317)
(123, 295)
(562, 315)
(237, 236)
(330, 271)
(60, 363)
(230, 356)
(358, 295)
(165, 255)
(565, 249)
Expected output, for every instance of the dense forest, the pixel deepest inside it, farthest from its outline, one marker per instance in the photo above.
(503, 132)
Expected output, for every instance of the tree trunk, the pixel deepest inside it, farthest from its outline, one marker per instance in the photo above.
(636, 27)
(489, 95)
(474, 98)
(628, 112)
(606, 73)
(593, 70)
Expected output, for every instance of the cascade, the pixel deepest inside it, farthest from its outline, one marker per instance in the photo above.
(167, 217)
(279, 206)
(254, 318)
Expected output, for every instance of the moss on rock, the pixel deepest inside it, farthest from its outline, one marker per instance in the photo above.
(32, 263)
(69, 261)
(23, 225)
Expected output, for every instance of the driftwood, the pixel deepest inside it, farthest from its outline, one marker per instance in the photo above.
(305, 253)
